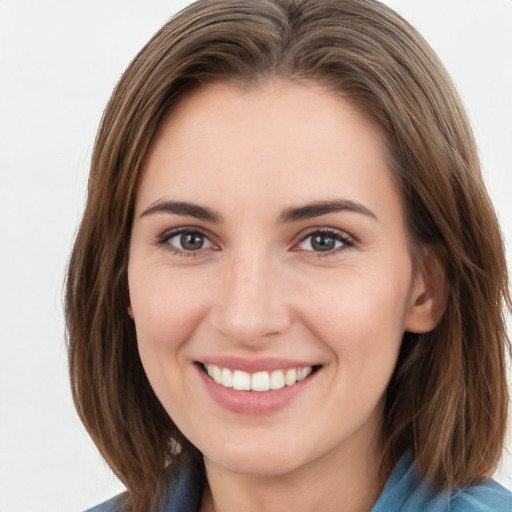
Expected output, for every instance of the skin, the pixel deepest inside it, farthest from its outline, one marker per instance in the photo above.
(259, 289)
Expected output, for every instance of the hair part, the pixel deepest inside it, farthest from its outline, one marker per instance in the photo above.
(447, 400)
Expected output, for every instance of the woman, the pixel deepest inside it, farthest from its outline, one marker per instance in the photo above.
(288, 287)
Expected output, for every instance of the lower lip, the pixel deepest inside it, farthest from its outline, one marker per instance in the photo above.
(253, 402)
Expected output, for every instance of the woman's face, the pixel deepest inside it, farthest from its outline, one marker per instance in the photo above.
(269, 250)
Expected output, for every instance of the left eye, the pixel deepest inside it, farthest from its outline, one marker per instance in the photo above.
(189, 241)
(323, 241)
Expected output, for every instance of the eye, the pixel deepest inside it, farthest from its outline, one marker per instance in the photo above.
(185, 241)
(325, 241)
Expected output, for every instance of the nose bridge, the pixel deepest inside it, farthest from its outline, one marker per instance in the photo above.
(250, 304)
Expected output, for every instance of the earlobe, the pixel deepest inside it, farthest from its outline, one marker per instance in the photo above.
(130, 312)
(428, 298)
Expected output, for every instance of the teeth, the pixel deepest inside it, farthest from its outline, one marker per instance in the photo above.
(216, 375)
(259, 381)
(241, 381)
(291, 377)
(277, 380)
(226, 378)
(304, 372)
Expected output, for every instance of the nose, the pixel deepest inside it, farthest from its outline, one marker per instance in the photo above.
(251, 306)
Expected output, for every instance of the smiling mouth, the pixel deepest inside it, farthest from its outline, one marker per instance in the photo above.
(259, 381)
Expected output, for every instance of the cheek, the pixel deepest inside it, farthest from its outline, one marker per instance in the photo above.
(360, 317)
(165, 310)
(165, 319)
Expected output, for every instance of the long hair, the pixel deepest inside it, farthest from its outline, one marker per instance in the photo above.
(447, 400)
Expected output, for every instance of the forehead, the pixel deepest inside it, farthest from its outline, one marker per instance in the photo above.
(298, 139)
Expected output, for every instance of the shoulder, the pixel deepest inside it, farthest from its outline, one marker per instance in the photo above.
(489, 496)
(184, 491)
(405, 491)
(115, 504)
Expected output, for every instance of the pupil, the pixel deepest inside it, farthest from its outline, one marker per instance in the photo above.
(323, 243)
(191, 241)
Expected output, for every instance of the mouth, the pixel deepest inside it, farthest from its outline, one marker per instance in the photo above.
(261, 381)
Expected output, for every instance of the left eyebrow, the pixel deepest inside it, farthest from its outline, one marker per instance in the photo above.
(318, 208)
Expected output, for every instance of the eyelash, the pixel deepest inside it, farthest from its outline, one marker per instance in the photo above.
(338, 236)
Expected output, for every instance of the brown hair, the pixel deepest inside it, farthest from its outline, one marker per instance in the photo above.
(447, 400)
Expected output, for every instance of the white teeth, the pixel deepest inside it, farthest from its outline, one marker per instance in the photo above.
(304, 372)
(216, 374)
(241, 380)
(227, 378)
(259, 381)
(290, 377)
(277, 379)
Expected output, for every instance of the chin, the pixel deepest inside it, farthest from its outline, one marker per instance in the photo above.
(257, 461)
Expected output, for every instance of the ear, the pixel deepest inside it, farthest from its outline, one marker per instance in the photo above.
(130, 311)
(429, 295)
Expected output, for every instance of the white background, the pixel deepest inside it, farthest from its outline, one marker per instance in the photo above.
(59, 60)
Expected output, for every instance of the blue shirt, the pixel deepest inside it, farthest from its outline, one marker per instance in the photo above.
(404, 491)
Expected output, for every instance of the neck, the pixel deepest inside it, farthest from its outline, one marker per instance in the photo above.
(342, 481)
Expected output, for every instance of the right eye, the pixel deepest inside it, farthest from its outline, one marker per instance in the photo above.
(185, 242)
(191, 241)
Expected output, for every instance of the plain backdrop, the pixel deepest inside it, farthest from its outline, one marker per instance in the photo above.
(59, 60)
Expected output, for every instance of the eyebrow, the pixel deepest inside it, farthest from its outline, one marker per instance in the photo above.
(292, 214)
(183, 208)
(319, 208)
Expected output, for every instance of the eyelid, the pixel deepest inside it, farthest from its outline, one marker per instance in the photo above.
(169, 233)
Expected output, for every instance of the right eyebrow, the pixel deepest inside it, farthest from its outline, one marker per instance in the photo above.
(182, 208)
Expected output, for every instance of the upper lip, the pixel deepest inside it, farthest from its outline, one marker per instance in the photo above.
(256, 365)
